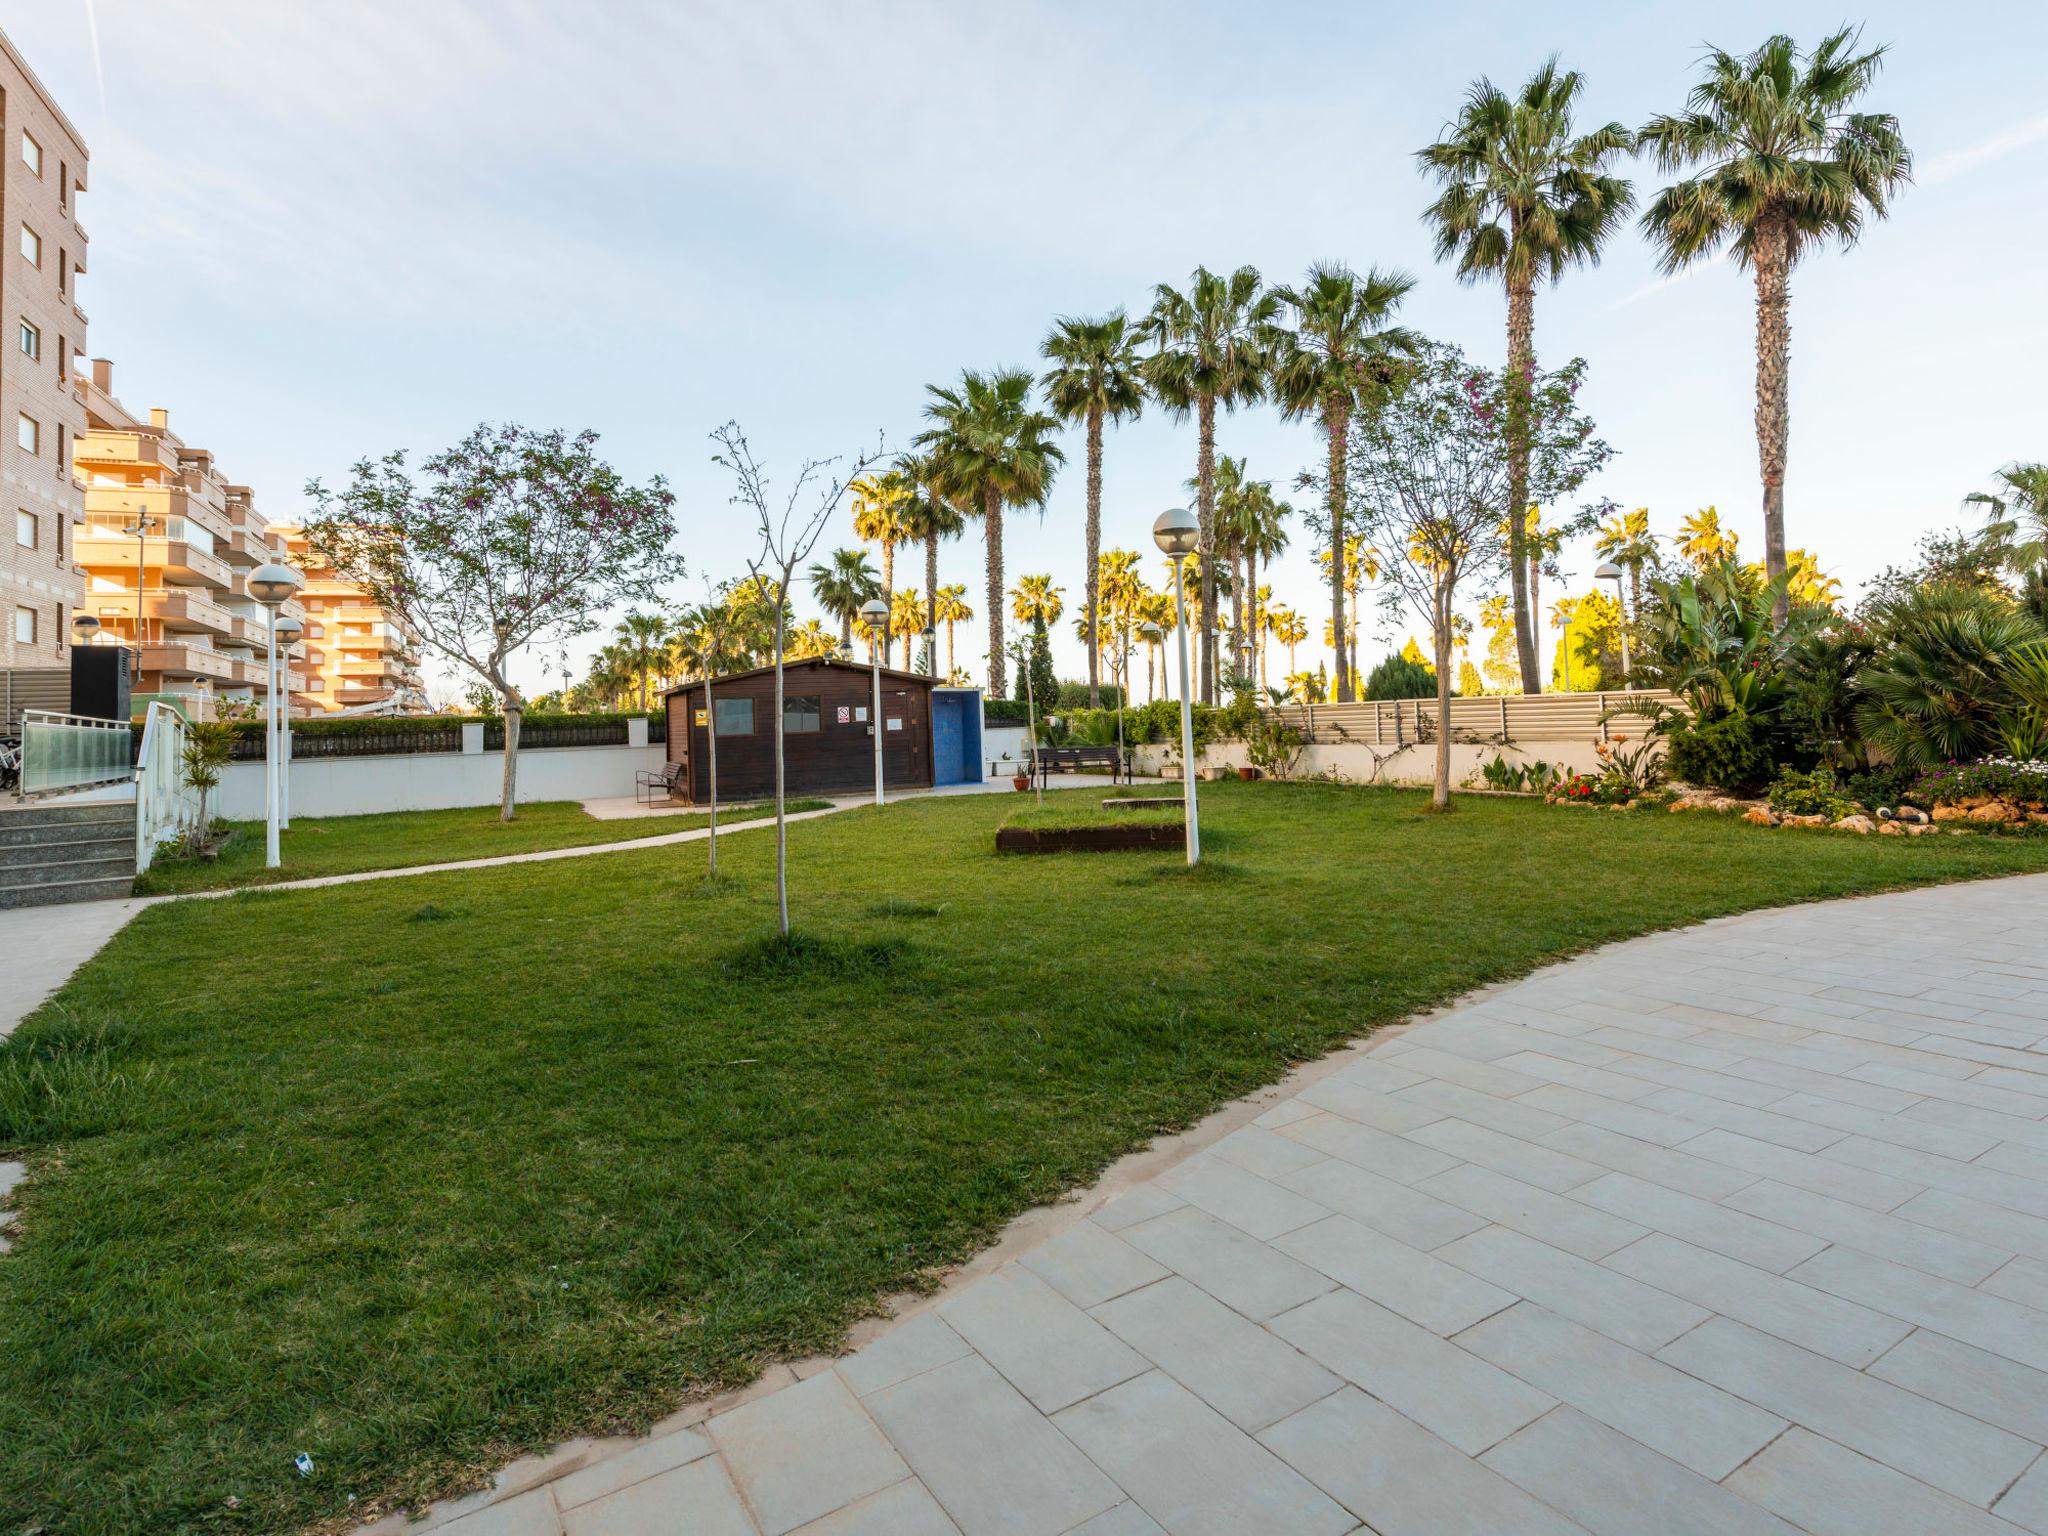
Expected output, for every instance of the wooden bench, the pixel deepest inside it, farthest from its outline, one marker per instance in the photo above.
(652, 788)
(1075, 759)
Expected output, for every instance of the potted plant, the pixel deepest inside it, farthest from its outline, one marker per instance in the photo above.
(1248, 773)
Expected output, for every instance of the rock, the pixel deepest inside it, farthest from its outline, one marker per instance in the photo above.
(1921, 829)
(1971, 802)
(2037, 815)
(1993, 812)
(1860, 824)
(1757, 816)
(1802, 821)
(1892, 828)
(1950, 813)
(1724, 803)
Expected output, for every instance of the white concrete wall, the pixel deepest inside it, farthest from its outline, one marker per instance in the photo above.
(1000, 738)
(1415, 764)
(436, 781)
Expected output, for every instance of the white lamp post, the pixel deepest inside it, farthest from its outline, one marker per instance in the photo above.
(1607, 570)
(287, 629)
(272, 585)
(84, 629)
(876, 613)
(1176, 533)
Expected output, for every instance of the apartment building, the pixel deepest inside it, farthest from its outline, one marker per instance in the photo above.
(358, 656)
(42, 257)
(167, 546)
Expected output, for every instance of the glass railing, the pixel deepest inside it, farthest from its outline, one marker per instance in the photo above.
(62, 752)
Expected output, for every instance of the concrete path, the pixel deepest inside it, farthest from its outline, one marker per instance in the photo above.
(1741, 1230)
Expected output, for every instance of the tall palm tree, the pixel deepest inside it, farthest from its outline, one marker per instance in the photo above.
(1524, 198)
(1342, 345)
(878, 502)
(1545, 544)
(1262, 535)
(1780, 164)
(906, 617)
(1036, 599)
(842, 586)
(2016, 515)
(1121, 592)
(809, 638)
(1625, 539)
(1095, 377)
(1703, 541)
(991, 450)
(928, 515)
(1156, 609)
(1361, 565)
(1214, 346)
(952, 609)
(643, 640)
(1230, 493)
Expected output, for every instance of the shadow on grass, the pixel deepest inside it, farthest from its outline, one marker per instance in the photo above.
(1208, 872)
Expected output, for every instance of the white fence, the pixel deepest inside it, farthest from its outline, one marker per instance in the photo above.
(165, 804)
(438, 781)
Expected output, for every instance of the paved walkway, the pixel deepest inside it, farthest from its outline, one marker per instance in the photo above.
(1733, 1231)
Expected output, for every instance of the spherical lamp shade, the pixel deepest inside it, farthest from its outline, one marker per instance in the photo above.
(1176, 532)
(288, 630)
(274, 584)
(875, 612)
(1607, 570)
(83, 627)
(1150, 630)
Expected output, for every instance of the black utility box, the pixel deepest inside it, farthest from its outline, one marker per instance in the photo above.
(99, 681)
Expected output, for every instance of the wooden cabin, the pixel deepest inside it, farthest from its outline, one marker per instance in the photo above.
(828, 733)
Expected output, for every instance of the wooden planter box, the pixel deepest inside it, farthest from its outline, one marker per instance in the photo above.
(1088, 839)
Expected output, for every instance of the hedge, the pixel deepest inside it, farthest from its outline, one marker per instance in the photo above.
(381, 735)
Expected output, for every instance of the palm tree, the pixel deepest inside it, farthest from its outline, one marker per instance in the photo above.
(1262, 535)
(1213, 342)
(1156, 609)
(1361, 564)
(1524, 198)
(1625, 539)
(952, 609)
(842, 586)
(929, 516)
(1341, 347)
(878, 502)
(1121, 593)
(1290, 629)
(809, 638)
(642, 639)
(1095, 377)
(1544, 545)
(990, 450)
(1037, 599)
(1782, 165)
(1561, 620)
(2016, 515)
(1703, 541)
(906, 617)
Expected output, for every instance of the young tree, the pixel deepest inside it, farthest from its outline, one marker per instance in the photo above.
(510, 538)
(788, 535)
(1429, 469)
(1780, 164)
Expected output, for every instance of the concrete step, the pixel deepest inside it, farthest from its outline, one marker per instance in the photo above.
(100, 861)
(61, 824)
(121, 845)
(51, 892)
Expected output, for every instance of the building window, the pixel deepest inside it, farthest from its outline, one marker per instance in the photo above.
(32, 155)
(32, 248)
(28, 433)
(25, 529)
(31, 341)
(63, 185)
(735, 717)
(24, 626)
(800, 712)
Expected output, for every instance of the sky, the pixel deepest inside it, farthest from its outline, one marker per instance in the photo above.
(320, 232)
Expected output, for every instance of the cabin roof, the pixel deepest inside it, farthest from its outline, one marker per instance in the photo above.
(863, 669)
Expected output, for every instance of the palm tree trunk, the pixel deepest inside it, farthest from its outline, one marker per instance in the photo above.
(1255, 653)
(1094, 550)
(931, 591)
(1336, 424)
(1521, 374)
(846, 631)
(949, 647)
(1205, 515)
(1770, 254)
(992, 532)
(888, 572)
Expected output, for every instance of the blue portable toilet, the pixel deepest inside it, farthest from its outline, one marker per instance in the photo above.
(956, 736)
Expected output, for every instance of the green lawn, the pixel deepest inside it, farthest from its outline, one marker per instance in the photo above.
(1079, 808)
(347, 845)
(496, 1157)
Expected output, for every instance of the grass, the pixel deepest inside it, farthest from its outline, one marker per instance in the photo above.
(506, 1155)
(347, 845)
(1081, 809)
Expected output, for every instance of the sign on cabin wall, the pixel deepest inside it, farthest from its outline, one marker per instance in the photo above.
(700, 717)
(895, 723)
(845, 714)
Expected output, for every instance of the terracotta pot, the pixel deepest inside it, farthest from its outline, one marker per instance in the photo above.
(1248, 773)
(1020, 781)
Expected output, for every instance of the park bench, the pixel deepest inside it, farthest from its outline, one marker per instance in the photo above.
(1075, 759)
(652, 788)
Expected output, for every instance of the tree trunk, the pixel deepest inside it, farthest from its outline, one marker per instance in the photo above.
(1521, 374)
(949, 648)
(512, 713)
(1336, 426)
(846, 633)
(1536, 617)
(888, 572)
(1440, 795)
(1771, 256)
(781, 816)
(992, 532)
(1205, 515)
(907, 637)
(931, 592)
(1094, 551)
(711, 763)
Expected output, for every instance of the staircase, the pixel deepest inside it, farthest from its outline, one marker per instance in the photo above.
(54, 853)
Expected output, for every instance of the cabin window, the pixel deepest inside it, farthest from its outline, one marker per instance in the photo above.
(801, 712)
(735, 717)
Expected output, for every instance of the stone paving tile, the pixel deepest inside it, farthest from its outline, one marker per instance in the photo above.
(1884, 1125)
(1554, 1219)
(1858, 1186)
(1952, 1451)
(1400, 1479)
(531, 1514)
(910, 1348)
(1612, 1114)
(1378, 1108)
(2010, 1157)
(1578, 1074)
(2022, 1280)
(995, 1465)
(1990, 1322)
(1385, 1153)
(1654, 1074)
(1474, 1108)
(1237, 1270)
(1136, 1205)
(1710, 1226)
(11, 1174)
(1088, 1265)
(1786, 1309)
(903, 1509)
(804, 1452)
(2016, 1192)
(1832, 1491)
(1480, 1076)
(1886, 1236)
(1439, 1296)
(1640, 1316)
(1615, 1486)
(1528, 1161)
(1992, 1225)
(1934, 1086)
(659, 1454)
(1761, 1124)
(1246, 1201)
(1052, 1351)
(1250, 1376)
(1677, 1415)
(1419, 1220)
(1447, 1390)
(1644, 1160)
(1259, 1151)
(1124, 1520)
(2026, 1505)
(1191, 1469)
(698, 1498)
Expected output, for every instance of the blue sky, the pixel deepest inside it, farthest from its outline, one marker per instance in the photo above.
(322, 231)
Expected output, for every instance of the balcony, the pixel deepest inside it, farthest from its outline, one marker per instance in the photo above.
(367, 667)
(169, 611)
(168, 560)
(176, 659)
(160, 502)
(242, 548)
(121, 450)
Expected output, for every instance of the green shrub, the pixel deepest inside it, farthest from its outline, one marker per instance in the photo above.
(1809, 794)
(1727, 753)
(1075, 696)
(1003, 712)
(1399, 678)
(1883, 785)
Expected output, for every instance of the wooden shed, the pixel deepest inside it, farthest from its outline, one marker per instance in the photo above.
(828, 733)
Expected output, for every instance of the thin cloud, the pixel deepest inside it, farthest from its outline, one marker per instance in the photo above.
(2007, 141)
(1685, 274)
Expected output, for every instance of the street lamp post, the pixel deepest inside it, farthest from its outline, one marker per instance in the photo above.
(1176, 533)
(287, 630)
(1607, 570)
(876, 612)
(139, 532)
(272, 585)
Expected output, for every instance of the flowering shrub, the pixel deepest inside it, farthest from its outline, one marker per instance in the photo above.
(2024, 781)
(1810, 794)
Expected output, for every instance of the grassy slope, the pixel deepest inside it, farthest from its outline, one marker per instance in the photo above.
(510, 1154)
(346, 845)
